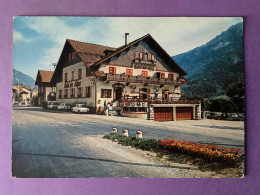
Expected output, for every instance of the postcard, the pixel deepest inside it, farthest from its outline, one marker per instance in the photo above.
(150, 97)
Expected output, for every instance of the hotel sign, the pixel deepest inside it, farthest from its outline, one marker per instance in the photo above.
(68, 84)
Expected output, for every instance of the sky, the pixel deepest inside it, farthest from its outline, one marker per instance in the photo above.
(38, 41)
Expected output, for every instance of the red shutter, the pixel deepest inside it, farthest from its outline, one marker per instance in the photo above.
(162, 75)
(72, 75)
(140, 93)
(66, 76)
(79, 74)
(148, 94)
(170, 76)
(144, 73)
(114, 71)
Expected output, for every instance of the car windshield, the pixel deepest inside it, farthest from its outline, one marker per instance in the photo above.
(61, 104)
(83, 106)
(56, 104)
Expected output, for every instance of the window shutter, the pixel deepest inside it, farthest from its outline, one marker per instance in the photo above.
(89, 91)
(148, 94)
(141, 56)
(162, 75)
(140, 93)
(136, 55)
(153, 59)
(114, 71)
(131, 72)
(149, 57)
(170, 76)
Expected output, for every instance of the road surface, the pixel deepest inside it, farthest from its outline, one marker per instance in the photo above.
(61, 144)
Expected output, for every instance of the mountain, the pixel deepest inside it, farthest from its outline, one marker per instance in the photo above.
(212, 67)
(21, 78)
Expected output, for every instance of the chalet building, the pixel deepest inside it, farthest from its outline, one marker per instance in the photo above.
(23, 91)
(46, 90)
(138, 80)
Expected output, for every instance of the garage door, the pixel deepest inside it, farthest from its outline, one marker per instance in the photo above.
(184, 113)
(163, 113)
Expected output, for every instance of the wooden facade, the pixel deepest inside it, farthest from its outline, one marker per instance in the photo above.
(131, 78)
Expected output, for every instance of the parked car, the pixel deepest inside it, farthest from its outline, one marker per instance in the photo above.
(53, 105)
(80, 108)
(235, 117)
(16, 103)
(64, 106)
(241, 116)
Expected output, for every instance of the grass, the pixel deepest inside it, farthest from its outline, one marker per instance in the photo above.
(143, 144)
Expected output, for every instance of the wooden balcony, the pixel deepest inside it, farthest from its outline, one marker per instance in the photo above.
(142, 80)
(160, 100)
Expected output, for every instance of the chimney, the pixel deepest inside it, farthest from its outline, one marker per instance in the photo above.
(126, 38)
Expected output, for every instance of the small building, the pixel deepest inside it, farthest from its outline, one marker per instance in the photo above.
(21, 93)
(46, 90)
(34, 96)
(138, 80)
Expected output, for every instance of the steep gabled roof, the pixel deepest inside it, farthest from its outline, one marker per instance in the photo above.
(44, 76)
(156, 47)
(87, 52)
(92, 55)
(118, 50)
(89, 48)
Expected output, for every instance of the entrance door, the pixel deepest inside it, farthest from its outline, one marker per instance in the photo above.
(163, 113)
(118, 93)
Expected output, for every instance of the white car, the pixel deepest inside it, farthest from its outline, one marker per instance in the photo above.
(52, 105)
(80, 108)
(64, 106)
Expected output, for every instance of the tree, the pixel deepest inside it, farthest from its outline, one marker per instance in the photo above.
(17, 97)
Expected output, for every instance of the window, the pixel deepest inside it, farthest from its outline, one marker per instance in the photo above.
(72, 56)
(134, 109)
(112, 70)
(106, 93)
(170, 76)
(53, 89)
(65, 93)
(41, 89)
(79, 92)
(66, 76)
(79, 73)
(153, 59)
(72, 75)
(162, 75)
(60, 93)
(141, 56)
(144, 73)
(137, 55)
(150, 57)
(87, 92)
(129, 72)
(72, 92)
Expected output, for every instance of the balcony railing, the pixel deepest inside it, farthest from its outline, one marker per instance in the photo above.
(159, 100)
(143, 80)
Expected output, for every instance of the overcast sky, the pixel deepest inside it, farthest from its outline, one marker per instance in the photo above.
(38, 41)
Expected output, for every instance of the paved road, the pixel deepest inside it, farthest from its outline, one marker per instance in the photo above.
(47, 144)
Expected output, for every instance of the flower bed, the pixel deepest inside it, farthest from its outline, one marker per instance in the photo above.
(209, 152)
